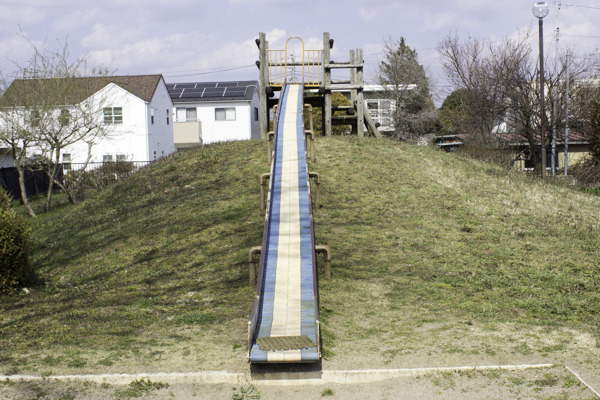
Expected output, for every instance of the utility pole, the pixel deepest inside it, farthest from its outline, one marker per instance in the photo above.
(554, 92)
(567, 114)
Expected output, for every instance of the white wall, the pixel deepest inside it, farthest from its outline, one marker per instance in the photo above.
(244, 127)
(255, 122)
(137, 138)
(220, 131)
(160, 133)
(128, 138)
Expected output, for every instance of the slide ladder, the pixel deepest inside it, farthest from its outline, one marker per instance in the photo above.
(284, 322)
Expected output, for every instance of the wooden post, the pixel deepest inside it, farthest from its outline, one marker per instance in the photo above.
(353, 82)
(263, 83)
(360, 100)
(327, 83)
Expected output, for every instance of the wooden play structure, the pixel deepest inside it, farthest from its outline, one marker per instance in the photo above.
(312, 69)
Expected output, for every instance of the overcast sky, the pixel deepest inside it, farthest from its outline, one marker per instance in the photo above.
(209, 40)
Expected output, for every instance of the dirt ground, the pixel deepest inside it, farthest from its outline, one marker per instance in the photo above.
(540, 383)
(437, 365)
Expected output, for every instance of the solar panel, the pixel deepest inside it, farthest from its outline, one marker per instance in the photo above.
(213, 92)
(202, 85)
(235, 91)
(184, 85)
(175, 93)
(227, 84)
(207, 90)
(191, 93)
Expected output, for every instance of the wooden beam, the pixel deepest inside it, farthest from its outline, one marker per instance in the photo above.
(341, 65)
(327, 82)
(263, 83)
(360, 100)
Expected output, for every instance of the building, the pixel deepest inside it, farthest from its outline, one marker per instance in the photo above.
(380, 106)
(209, 112)
(134, 114)
(578, 148)
(139, 112)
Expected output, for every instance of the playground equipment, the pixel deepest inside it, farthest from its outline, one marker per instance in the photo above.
(284, 322)
(277, 69)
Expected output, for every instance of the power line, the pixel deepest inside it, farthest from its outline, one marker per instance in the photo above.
(212, 71)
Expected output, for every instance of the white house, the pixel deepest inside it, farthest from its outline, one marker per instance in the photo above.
(208, 112)
(379, 104)
(138, 110)
(134, 114)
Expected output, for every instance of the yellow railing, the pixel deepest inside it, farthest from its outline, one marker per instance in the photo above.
(282, 71)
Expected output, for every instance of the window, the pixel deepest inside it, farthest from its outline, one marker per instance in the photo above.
(168, 116)
(255, 114)
(152, 116)
(225, 114)
(113, 115)
(66, 161)
(191, 114)
(381, 112)
(65, 117)
(186, 114)
(107, 158)
(35, 118)
(121, 157)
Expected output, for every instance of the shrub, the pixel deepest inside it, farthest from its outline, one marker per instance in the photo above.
(587, 173)
(490, 151)
(14, 248)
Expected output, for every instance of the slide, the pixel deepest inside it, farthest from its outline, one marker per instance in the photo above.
(284, 322)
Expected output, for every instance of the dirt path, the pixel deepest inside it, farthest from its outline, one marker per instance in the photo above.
(540, 381)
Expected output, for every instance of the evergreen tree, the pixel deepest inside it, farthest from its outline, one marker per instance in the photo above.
(406, 83)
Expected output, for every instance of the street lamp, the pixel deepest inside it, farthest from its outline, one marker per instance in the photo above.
(540, 10)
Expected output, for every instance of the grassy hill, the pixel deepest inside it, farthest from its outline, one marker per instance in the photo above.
(434, 256)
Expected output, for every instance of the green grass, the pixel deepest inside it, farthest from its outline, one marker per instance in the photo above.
(421, 240)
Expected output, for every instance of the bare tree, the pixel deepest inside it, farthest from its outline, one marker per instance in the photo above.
(501, 79)
(405, 82)
(16, 135)
(60, 104)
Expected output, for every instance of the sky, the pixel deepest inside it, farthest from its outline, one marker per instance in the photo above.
(213, 40)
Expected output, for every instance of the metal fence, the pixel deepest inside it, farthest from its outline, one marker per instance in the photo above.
(133, 165)
(80, 177)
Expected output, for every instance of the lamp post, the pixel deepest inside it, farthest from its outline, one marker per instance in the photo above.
(540, 10)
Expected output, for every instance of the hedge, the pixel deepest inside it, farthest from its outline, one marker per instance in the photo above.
(15, 239)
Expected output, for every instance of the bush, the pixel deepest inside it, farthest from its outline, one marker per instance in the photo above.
(14, 248)
(587, 173)
(490, 152)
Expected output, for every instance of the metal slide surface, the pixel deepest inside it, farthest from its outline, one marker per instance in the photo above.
(284, 323)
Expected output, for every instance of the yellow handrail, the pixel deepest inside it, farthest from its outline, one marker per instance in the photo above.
(311, 66)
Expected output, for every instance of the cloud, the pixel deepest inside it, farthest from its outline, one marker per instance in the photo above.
(367, 14)
(110, 35)
(438, 21)
(148, 53)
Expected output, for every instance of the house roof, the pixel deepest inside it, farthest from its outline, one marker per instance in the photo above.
(201, 92)
(68, 91)
(575, 137)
